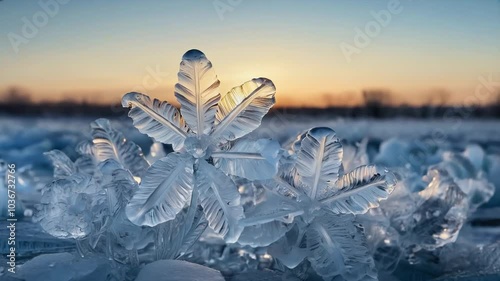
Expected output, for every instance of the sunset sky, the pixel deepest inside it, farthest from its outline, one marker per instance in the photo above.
(99, 50)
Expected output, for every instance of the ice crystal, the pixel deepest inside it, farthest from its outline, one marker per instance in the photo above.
(89, 196)
(204, 132)
(427, 214)
(310, 210)
(309, 207)
(69, 200)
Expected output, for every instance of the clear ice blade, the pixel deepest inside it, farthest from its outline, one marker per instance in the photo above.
(220, 200)
(197, 91)
(360, 190)
(288, 248)
(63, 166)
(158, 119)
(241, 110)
(111, 144)
(253, 160)
(269, 220)
(337, 247)
(118, 183)
(163, 192)
(318, 162)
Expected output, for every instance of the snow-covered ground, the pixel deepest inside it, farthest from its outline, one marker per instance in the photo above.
(24, 140)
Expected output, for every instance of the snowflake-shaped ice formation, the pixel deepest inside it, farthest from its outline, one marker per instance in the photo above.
(204, 137)
(311, 185)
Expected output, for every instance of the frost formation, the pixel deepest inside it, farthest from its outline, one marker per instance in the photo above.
(313, 209)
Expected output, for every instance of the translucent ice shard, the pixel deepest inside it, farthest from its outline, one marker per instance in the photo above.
(128, 235)
(118, 183)
(65, 206)
(241, 110)
(337, 247)
(290, 249)
(163, 192)
(383, 242)
(360, 190)
(318, 162)
(111, 144)
(355, 155)
(440, 215)
(478, 191)
(457, 166)
(65, 267)
(467, 170)
(192, 230)
(425, 221)
(86, 163)
(159, 120)
(63, 166)
(220, 201)
(470, 261)
(176, 238)
(476, 155)
(254, 160)
(172, 270)
(314, 177)
(492, 170)
(264, 233)
(197, 91)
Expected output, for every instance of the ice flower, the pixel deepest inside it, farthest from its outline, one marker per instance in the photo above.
(313, 178)
(205, 136)
(309, 208)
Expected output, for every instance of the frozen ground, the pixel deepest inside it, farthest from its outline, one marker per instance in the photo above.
(23, 139)
(398, 144)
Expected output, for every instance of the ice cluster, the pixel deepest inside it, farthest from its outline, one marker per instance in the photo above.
(316, 208)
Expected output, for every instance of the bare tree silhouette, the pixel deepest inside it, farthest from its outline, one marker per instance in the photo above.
(438, 97)
(15, 95)
(375, 100)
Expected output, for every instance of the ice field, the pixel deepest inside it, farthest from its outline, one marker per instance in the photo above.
(461, 245)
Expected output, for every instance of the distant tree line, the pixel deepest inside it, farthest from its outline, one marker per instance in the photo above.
(18, 102)
(376, 104)
(387, 112)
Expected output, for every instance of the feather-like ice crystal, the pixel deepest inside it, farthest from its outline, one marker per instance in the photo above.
(199, 134)
(312, 187)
